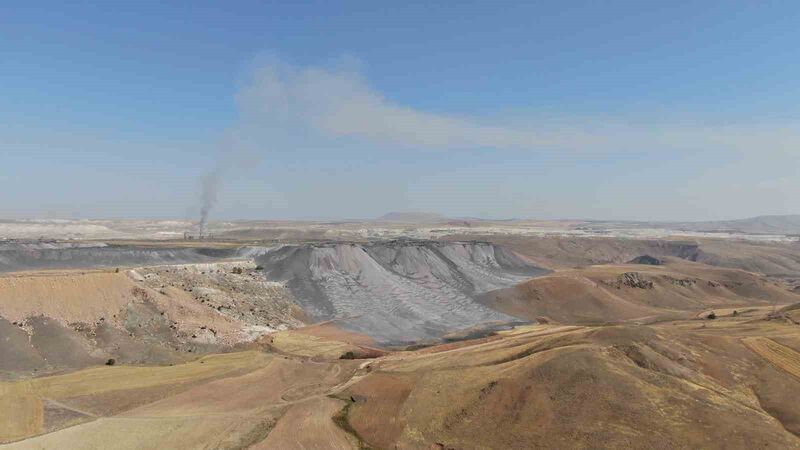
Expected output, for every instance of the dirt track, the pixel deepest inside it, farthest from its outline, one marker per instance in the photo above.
(308, 426)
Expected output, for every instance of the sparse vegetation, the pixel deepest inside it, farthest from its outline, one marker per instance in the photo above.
(257, 434)
(140, 293)
(341, 420)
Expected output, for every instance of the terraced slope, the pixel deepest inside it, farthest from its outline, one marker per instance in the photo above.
(779, 355)
(228, 401)
(400, 291)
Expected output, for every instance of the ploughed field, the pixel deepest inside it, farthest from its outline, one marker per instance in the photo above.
(392, 344)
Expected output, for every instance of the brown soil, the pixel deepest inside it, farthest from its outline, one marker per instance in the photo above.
(779, 355)
(601, 294)
(76, 296)
(725, 383)
(607, 387)
(329, 331)
(308, 426)
(52, 321)
(780, 259)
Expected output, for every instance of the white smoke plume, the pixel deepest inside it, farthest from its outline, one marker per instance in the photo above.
(335, 107)
(337, 102)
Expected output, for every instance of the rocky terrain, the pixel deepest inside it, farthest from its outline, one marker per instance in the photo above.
(169, 310)
(53, 321)
(235, 290)
(511, 341)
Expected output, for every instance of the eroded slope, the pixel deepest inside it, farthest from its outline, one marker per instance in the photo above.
(607, 387)
(617, 293)
(400, 291)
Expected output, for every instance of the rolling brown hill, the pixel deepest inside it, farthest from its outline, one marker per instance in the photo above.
(680, 385)
(779, 259)
(617, 293)
(726, 383)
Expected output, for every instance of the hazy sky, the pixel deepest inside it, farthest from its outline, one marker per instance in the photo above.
(608, 110)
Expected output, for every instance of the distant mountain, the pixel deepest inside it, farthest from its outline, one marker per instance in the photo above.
(789, 224)
(412, 217)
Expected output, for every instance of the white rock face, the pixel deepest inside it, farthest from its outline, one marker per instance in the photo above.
(399, 291)
(135, 276)
(253, 332)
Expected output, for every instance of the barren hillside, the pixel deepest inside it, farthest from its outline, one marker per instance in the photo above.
(616, 293)
(240, 347)
(724, 383)
(684, 386)
(778, 259)
(399, 291)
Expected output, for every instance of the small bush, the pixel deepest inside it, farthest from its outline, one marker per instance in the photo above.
(140, 293)
(712, 315)
(111, 362)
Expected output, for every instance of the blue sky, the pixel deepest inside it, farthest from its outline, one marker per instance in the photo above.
(608, 110)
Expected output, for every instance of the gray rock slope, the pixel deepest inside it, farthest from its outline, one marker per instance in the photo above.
(31, 256)
(400, 291)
